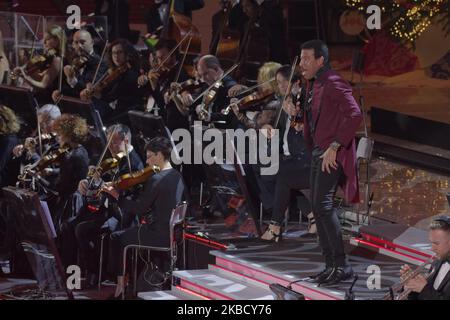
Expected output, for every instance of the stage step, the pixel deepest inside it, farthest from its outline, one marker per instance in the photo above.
(174, 294)
(265, 277)
(222, 285)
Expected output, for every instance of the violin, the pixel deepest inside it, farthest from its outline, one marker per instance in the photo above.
(37, 64)
(45, 162)
(296, 100)
(251, 101)
(191, 86)
(113, 75)
(130, 180)
(209, 98)
(108, 164)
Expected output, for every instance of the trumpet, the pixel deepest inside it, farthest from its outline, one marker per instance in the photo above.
(396, 292)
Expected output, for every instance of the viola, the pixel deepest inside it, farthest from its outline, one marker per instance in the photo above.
(209, 98)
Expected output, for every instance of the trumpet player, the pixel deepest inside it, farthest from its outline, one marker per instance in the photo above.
(435, 286)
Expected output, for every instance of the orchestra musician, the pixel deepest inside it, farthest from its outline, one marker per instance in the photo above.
(88, 226)
(117, 92)
(9, 128)
(41, 72)
(210, 71)
(28, 151)
(163, 191)
(294, 171)
(83, 66)
(435, 285)
(166, 69)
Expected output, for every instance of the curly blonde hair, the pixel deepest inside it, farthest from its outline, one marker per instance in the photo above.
(268, 71)
(71, 126)
(9, 122)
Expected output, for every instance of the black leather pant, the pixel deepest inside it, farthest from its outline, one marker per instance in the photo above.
(323, 190)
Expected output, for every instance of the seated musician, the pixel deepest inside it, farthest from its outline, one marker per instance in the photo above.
(210, 71)
(28, 151)
(157, 82)
(294, 170)
(117, 92)
(163, 191)
(9, 127)
(83, 66)
(71, 132)
(43, 77)
(88, 226)
(435, 285)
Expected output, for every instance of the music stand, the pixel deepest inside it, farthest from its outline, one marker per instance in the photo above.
(146, 126)
(20, 100)
(36, 232)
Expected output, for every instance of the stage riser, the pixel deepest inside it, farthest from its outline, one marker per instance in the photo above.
(410, 128)
(257, 273)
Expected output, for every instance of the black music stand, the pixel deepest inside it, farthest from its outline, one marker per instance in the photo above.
(20, 100)
(146, 126)
(36, 232)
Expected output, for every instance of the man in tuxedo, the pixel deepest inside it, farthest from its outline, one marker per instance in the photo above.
(77, 77)
(437, 286)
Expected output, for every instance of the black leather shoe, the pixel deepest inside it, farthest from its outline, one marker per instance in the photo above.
(321, 276)
(338, 275)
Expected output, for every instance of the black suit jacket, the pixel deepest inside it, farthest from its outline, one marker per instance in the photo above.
(162, 193)
(86, 77)
(429, 293)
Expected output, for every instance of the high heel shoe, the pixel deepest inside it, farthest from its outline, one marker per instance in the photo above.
(273, 232)
(312, 228)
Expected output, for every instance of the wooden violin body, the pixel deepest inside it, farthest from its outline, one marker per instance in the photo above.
(130, 180)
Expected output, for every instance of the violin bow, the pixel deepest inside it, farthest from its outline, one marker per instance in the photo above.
(221, 78)
(294, 65)
(172, 51)
(33, 45)
(100, 62)
(182, 60)
(257, 86)
(104, 152)
(39, 133)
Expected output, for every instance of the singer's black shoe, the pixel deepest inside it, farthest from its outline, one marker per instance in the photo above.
(338, 275)
(318, 278)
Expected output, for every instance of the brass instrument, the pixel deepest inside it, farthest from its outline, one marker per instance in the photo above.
(396, 292)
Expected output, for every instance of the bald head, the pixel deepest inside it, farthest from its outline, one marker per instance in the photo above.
(209, 69)
(82, 42)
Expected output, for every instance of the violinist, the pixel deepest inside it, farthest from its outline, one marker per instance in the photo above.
(210, 71)
(117, 92)
(71, 132)
(264, 99)
(41, 72)
(294, 170)
(83, 66)
(157, 82)
(9, 127)
(28, 152)
(162, 192)
(88, 226)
